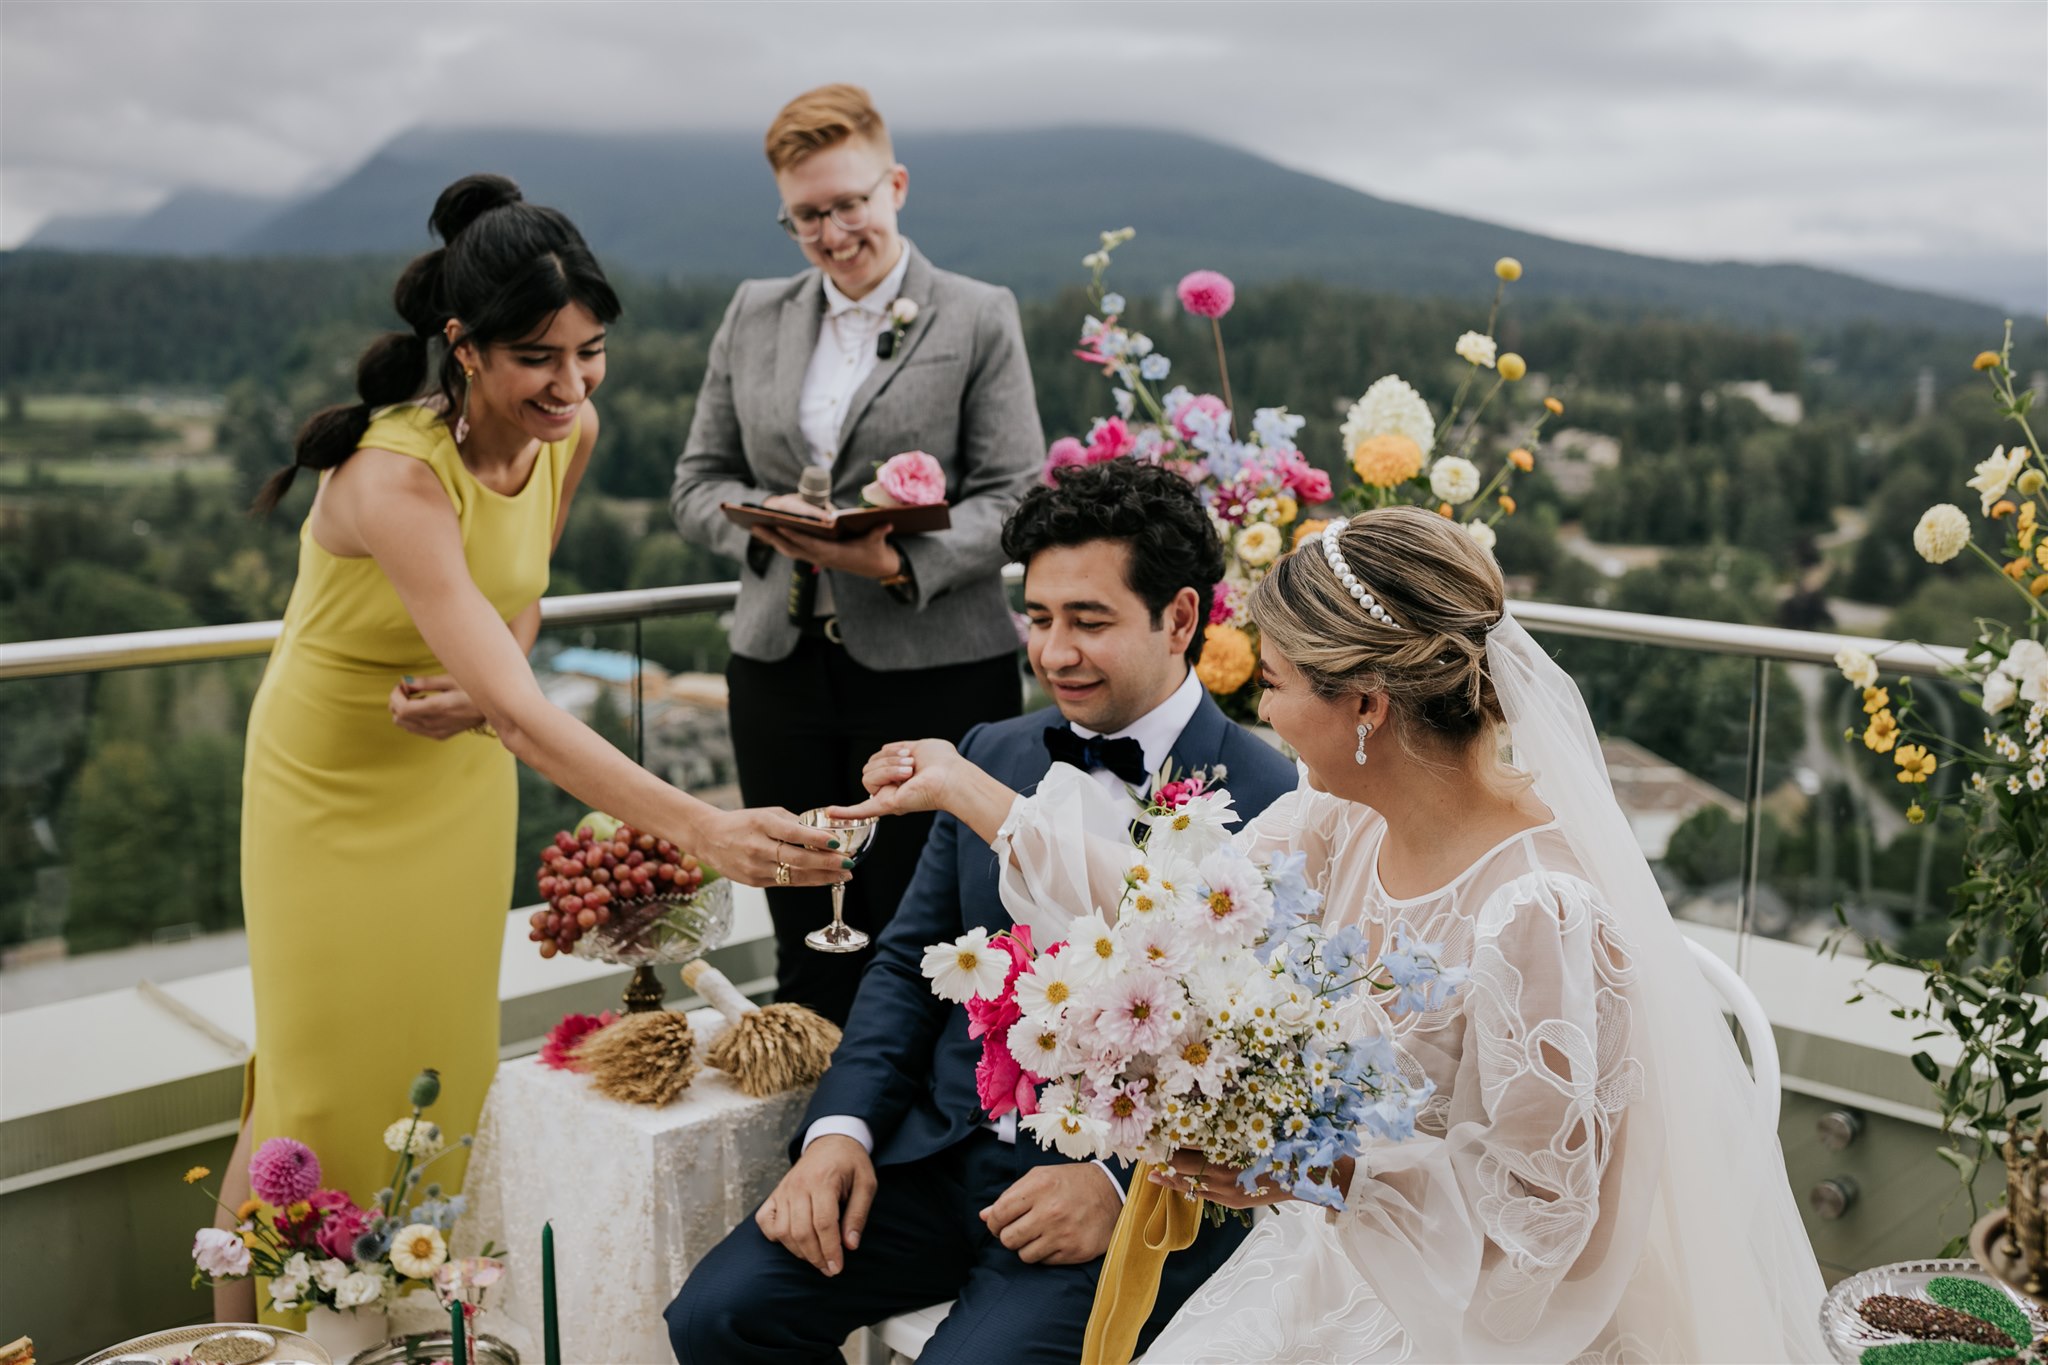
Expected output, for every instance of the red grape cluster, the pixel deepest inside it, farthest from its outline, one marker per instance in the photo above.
(587, 882)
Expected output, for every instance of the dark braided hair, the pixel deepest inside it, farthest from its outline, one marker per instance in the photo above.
(505, 268)
(1153, 511)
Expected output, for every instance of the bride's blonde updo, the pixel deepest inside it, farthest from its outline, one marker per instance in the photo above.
(1442, 590)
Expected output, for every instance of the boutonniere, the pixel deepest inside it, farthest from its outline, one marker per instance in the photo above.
(902, 313)
(1170, 793)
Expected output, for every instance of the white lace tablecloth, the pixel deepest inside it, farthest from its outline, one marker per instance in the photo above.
(637, 1195)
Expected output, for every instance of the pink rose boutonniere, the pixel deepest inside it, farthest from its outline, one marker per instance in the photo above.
(912, 479)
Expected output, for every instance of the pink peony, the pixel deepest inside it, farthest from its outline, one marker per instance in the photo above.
(1109, 438)
(912, 479)
(340, 1225)
(1066, 453)
(1310, 485)
(559, 1051)
(1207, 294)
(283, 1172)
(1204, 402)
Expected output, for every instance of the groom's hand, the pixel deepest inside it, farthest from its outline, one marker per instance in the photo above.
(1056, 1215)
(804, 1212)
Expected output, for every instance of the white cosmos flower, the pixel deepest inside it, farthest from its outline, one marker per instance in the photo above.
(1049, 986)
(1194, 830)
(1064, 1124)
(1942, 533)
(1198, 1060)
(1476, 347)
(1454, 479)
(1996, 474)
(1156, 941)
(966, 967)
(1858, 667)
(1094, 949)
(1039, 1043)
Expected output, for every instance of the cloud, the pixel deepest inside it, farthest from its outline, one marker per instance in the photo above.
(1704, 130)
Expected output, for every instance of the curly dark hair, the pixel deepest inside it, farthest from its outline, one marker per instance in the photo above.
(1152, 510)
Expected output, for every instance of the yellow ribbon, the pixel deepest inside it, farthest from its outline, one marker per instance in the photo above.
(1155, 1222)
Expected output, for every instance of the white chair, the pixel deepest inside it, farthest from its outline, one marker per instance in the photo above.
(905, 1335)
(1739, 1000)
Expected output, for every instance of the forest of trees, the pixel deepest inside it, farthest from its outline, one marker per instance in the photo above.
(1742, 505)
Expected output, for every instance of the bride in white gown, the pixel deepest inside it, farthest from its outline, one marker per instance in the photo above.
(1591, 1179)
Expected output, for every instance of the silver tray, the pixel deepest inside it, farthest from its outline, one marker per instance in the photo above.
(1849, 1336)
(168, 1345)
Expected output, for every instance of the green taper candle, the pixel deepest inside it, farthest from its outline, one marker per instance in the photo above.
(458, 1338)
(550, 1329)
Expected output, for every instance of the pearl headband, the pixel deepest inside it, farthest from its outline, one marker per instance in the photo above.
(1335, 558)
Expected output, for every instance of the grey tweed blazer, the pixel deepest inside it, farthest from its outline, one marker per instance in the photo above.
(958, 388)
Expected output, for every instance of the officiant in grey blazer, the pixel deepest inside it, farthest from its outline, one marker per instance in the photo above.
(839, 647)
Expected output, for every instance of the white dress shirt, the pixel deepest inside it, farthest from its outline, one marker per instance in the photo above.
(840, 363)
(1155, 732)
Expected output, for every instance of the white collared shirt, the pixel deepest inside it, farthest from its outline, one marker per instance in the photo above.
(844, 358)
(1156, 731)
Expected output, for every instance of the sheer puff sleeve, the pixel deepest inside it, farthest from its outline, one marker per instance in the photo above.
(1513, 1234)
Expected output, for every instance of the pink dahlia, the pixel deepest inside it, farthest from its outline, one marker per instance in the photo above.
(1207, 294)
(283, 1172)
(559, 1051)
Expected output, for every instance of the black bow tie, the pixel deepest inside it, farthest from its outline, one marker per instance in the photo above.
(1125, 757)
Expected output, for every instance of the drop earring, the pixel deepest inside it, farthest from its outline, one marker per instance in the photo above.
(1364, 732)
(462, 419)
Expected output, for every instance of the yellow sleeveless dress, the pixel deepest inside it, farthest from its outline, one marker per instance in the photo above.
(377, 865)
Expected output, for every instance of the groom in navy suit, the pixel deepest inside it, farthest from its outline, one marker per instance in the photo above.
(904, 1194)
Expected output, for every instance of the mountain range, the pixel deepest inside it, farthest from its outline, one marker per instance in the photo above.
(1017, 207)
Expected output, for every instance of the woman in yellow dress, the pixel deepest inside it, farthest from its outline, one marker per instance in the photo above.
(379, 790)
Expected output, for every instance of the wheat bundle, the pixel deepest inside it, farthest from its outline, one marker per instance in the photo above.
(765, 1049)
(645, 1058)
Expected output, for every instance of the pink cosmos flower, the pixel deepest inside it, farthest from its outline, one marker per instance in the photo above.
(1207, 294)
(1201, 402)
(283, 1172)
(912, 479)
(1122, 1106)
(1137, 1016)
(1065, 453)
(559, 1050)
(1110, 438)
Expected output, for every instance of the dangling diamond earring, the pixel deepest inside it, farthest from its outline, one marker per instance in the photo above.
(1364, 730)
(462, 420)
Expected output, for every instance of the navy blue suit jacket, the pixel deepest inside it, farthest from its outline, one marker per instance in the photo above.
(906, 1064)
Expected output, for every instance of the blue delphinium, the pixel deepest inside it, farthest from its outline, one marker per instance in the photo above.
(1112, 304)
(1154, 368)
(1276, 427)
(1418, 974)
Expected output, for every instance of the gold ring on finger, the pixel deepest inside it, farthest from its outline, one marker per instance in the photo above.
(782, 874)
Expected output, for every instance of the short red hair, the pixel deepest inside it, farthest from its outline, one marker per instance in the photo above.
(822, 118)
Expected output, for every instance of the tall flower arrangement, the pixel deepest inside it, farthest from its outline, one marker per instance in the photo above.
(1254, 488)
(1984, 988)
(1402, 453)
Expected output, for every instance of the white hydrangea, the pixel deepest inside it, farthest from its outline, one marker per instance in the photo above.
(1943, 531)
(1454, 479)
(1477, 348)
(1390, 405)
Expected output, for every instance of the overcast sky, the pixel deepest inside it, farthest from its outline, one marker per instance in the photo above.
(1899, 137)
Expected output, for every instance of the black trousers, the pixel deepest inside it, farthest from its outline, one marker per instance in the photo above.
(802, 729)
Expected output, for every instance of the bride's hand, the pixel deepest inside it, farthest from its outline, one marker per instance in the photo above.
(1190, 1173)
(903, 778)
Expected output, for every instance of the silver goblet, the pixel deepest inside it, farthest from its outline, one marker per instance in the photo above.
(854, 837)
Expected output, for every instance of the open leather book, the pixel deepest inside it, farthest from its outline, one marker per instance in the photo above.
(846, 523)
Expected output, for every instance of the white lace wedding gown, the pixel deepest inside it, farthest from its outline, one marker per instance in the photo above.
(1529, 1218)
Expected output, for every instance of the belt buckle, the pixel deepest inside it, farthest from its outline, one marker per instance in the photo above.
(832, 631)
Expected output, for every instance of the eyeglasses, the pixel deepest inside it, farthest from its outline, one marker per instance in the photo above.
(850, 213)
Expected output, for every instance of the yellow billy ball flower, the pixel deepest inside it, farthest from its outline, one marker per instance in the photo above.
(1521, 459)
(1553, 407)
(1986, 360)
(2032, 481)
(1507, 504)
(196, 1174)
(1508, 268)
(1875, 699)
(1387, 459)
(1915, 815)
(1915, 763)
(1882, 734)
(1511, 367)
(1228, 659)
(1306, 529)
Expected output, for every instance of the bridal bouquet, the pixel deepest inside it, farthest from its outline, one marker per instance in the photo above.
(320, 1250)
(1402, 453)
(1983, 989)
(1254, 489)
(1211, 1011)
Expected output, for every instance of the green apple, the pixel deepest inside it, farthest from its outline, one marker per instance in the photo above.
(601, 826)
